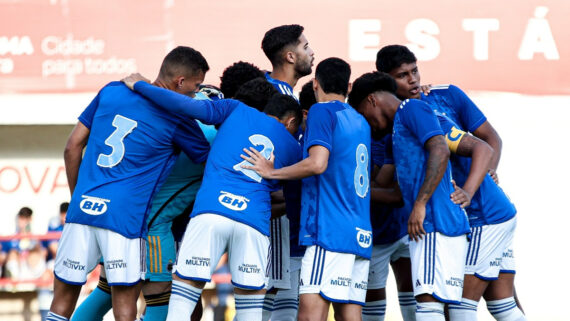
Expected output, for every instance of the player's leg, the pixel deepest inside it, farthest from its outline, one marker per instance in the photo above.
(287, 301)
(248, 252)
(313, 307)
(402, 268)
(97, 303)
(375, 308)
(197, 259)
(352, 310)
(78, 254)
(438, 265)
(125, 301)
(279, 271)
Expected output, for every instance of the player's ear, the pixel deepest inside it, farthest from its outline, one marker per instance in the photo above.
(290, 57)
(349, 89)
(179, 81)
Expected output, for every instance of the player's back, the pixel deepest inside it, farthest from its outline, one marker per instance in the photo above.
(411, 158)
(129, 152)
(340, 194)
(232, 191)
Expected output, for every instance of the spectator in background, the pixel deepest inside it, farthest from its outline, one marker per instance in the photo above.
(26, 256)
(55, 225)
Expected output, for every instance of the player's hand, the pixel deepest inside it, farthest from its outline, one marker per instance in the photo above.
(494, 176)
(416, 222)
(426, 89)
(132, 79)
(460, 196)
(259, 164)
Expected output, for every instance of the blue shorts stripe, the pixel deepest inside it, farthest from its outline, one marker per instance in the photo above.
(322, 268)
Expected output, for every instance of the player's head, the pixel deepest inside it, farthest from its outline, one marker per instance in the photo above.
(306, 100)
(287, 45)
(236, 75)
(286, 109)
(183, 70)
(369, 97)
(256, 93)
(332, 76)
(400, 63)
(23, 219)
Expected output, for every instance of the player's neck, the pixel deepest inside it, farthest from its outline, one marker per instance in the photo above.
(284, 74)
(326, 97)
(162, 83)
(393, 102)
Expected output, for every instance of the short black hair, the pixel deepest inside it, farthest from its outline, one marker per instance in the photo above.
(236, 75)
(281, 106)
(25, 212)
(278, 38)
(63, 207)
(333, 75)
(183, 61)
(307, 96)
(393, 56)
(369, 83)
(256, 93)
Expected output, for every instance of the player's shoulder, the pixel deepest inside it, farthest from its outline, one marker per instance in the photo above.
(445, 89)
(409, 104)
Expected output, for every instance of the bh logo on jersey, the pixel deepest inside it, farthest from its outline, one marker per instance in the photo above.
(364, 238)
(93, 205)
(233, 202)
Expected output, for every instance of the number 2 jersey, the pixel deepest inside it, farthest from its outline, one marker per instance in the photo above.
(335, 210)
(131, 148)
(227, 188)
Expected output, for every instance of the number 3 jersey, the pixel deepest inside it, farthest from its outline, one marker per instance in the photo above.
(227, 188)
(335, 205)
(131, 148)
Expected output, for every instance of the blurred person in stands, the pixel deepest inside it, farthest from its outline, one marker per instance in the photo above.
(55, 225)
(26, 257)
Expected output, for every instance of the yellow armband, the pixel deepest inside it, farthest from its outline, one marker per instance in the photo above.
(453, 137)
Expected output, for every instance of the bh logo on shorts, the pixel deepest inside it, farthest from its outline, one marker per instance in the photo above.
(364, 238)
(233, 202)
(93, 205)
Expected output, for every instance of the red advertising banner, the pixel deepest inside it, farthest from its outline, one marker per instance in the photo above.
(58, 46)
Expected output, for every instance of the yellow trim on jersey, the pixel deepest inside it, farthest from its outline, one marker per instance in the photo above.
(159, 261)
(453, 138)
(150, 252)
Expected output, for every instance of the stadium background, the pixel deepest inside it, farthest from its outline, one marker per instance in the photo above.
(511, 56)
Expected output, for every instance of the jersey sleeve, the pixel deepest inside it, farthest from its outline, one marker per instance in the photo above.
(320, 126)
(190, 138)
(207, 111)
(453, 134)
(419, 118)
(470, 116)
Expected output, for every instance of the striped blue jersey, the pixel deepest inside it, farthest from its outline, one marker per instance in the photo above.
(414, 124)
(490, 204)
(227, 188)
(281, 86)
(131, 149)
(335, 211)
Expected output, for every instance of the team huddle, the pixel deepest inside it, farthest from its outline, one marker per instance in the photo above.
(312, 197)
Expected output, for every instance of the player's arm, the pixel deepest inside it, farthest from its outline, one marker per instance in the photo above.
(207, 111)
(73, 153)
(385, 189)
(463, 144)
(489, 135)
(435, 168)
(316, 163)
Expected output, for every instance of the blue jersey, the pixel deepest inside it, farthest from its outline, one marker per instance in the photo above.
(389, 223)
(454, 103)
(131, 148)
(281, 86)
(335, 211)
(489, 205)
(228, 189)
(414, 124)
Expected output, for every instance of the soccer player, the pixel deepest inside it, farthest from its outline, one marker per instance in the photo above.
(233, 205)
(335, 221)
(400, 62)
(130, 147)
(291, 58)
(236, 75)
(437, 227)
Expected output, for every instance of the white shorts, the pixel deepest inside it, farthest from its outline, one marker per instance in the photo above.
(337, 277)
(81, 247)
(288, 299)
(280, 254)
(438, 266)
(382, 255)
(490, 251)
(206, 239)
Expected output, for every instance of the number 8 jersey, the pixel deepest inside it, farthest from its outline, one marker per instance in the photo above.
(131, 148)
(335, 206)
